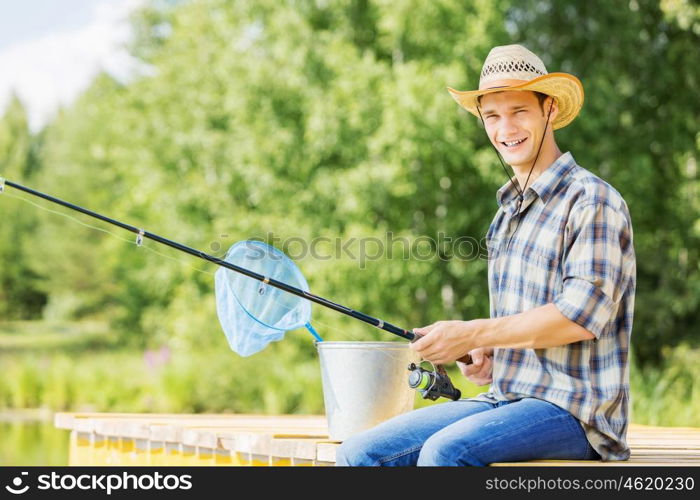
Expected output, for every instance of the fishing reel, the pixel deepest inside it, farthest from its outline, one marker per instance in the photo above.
(432, 384)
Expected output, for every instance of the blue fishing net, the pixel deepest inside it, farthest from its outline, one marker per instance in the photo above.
(252, 313)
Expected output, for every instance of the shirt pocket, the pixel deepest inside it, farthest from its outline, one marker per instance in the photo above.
(541, 279)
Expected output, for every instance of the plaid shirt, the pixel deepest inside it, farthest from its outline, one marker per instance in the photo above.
(569, 243)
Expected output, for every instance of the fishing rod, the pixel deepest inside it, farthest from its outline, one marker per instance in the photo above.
(432, 384)
(378, 323)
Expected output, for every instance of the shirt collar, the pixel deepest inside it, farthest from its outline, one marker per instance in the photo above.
(545, 185)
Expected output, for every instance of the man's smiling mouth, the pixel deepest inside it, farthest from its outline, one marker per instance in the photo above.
(512, 144)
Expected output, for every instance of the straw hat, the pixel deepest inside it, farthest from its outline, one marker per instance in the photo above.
(513, 67)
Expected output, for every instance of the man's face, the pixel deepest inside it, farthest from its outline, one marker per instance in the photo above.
(514, 122)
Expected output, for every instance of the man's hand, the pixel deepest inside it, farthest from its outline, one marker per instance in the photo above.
(446, 341)
(480, 372)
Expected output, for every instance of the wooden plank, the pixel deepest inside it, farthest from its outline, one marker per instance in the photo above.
(166, 433)
(670, 438)
(296, 447)
(168, 428)
(69, 420)
(664, 445)
(134, 429)
(212, 436)
(675, 453)
(325, 452)
(288, 439)
(644, 428)
(290, 429)
(104, 421)
(196, 436)
(66, 420)
(252, 443)
(208, 436)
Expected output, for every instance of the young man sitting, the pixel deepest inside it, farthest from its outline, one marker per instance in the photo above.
(561, 285)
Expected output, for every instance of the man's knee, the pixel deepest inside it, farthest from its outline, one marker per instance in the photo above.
(441, 451)
(354, 451)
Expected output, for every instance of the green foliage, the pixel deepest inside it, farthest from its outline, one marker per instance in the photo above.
(309, 120)
(20, 293)
(89, 373)
(670, 393)
(255, 123)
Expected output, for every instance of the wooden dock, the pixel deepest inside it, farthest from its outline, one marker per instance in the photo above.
(288, 440)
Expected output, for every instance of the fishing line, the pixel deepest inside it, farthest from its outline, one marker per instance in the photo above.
(147, 247)
(117, 236)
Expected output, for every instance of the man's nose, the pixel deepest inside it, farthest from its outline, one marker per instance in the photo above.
(508, 126)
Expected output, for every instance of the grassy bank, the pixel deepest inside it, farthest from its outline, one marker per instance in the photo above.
(80, 367)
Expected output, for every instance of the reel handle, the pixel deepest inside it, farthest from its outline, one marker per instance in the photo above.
(466, 359)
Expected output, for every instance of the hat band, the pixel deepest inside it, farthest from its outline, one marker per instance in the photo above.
(499, 84)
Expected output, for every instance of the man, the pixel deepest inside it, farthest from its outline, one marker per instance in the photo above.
(561, 287)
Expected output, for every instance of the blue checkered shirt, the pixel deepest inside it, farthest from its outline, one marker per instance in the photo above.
(570, 243)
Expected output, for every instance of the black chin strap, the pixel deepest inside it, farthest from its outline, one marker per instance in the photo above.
(521, 193)
(538, 150)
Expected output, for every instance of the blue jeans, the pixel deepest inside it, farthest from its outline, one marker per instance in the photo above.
(470, 433)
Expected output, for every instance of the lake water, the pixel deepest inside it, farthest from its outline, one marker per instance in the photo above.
(33, 443)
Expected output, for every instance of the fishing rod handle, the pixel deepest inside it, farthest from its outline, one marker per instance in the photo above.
(466, 359)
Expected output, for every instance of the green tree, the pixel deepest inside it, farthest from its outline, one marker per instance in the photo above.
(330, 119)
(20, 291)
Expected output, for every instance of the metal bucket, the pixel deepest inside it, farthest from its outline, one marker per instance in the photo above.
(364, 384)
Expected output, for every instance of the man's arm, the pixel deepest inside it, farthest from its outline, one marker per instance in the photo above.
(598, 267)
(539, 328)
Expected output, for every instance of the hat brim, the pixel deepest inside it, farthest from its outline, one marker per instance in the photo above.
(565, 88)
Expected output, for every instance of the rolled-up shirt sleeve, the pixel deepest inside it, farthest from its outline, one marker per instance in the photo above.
(597, 265)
